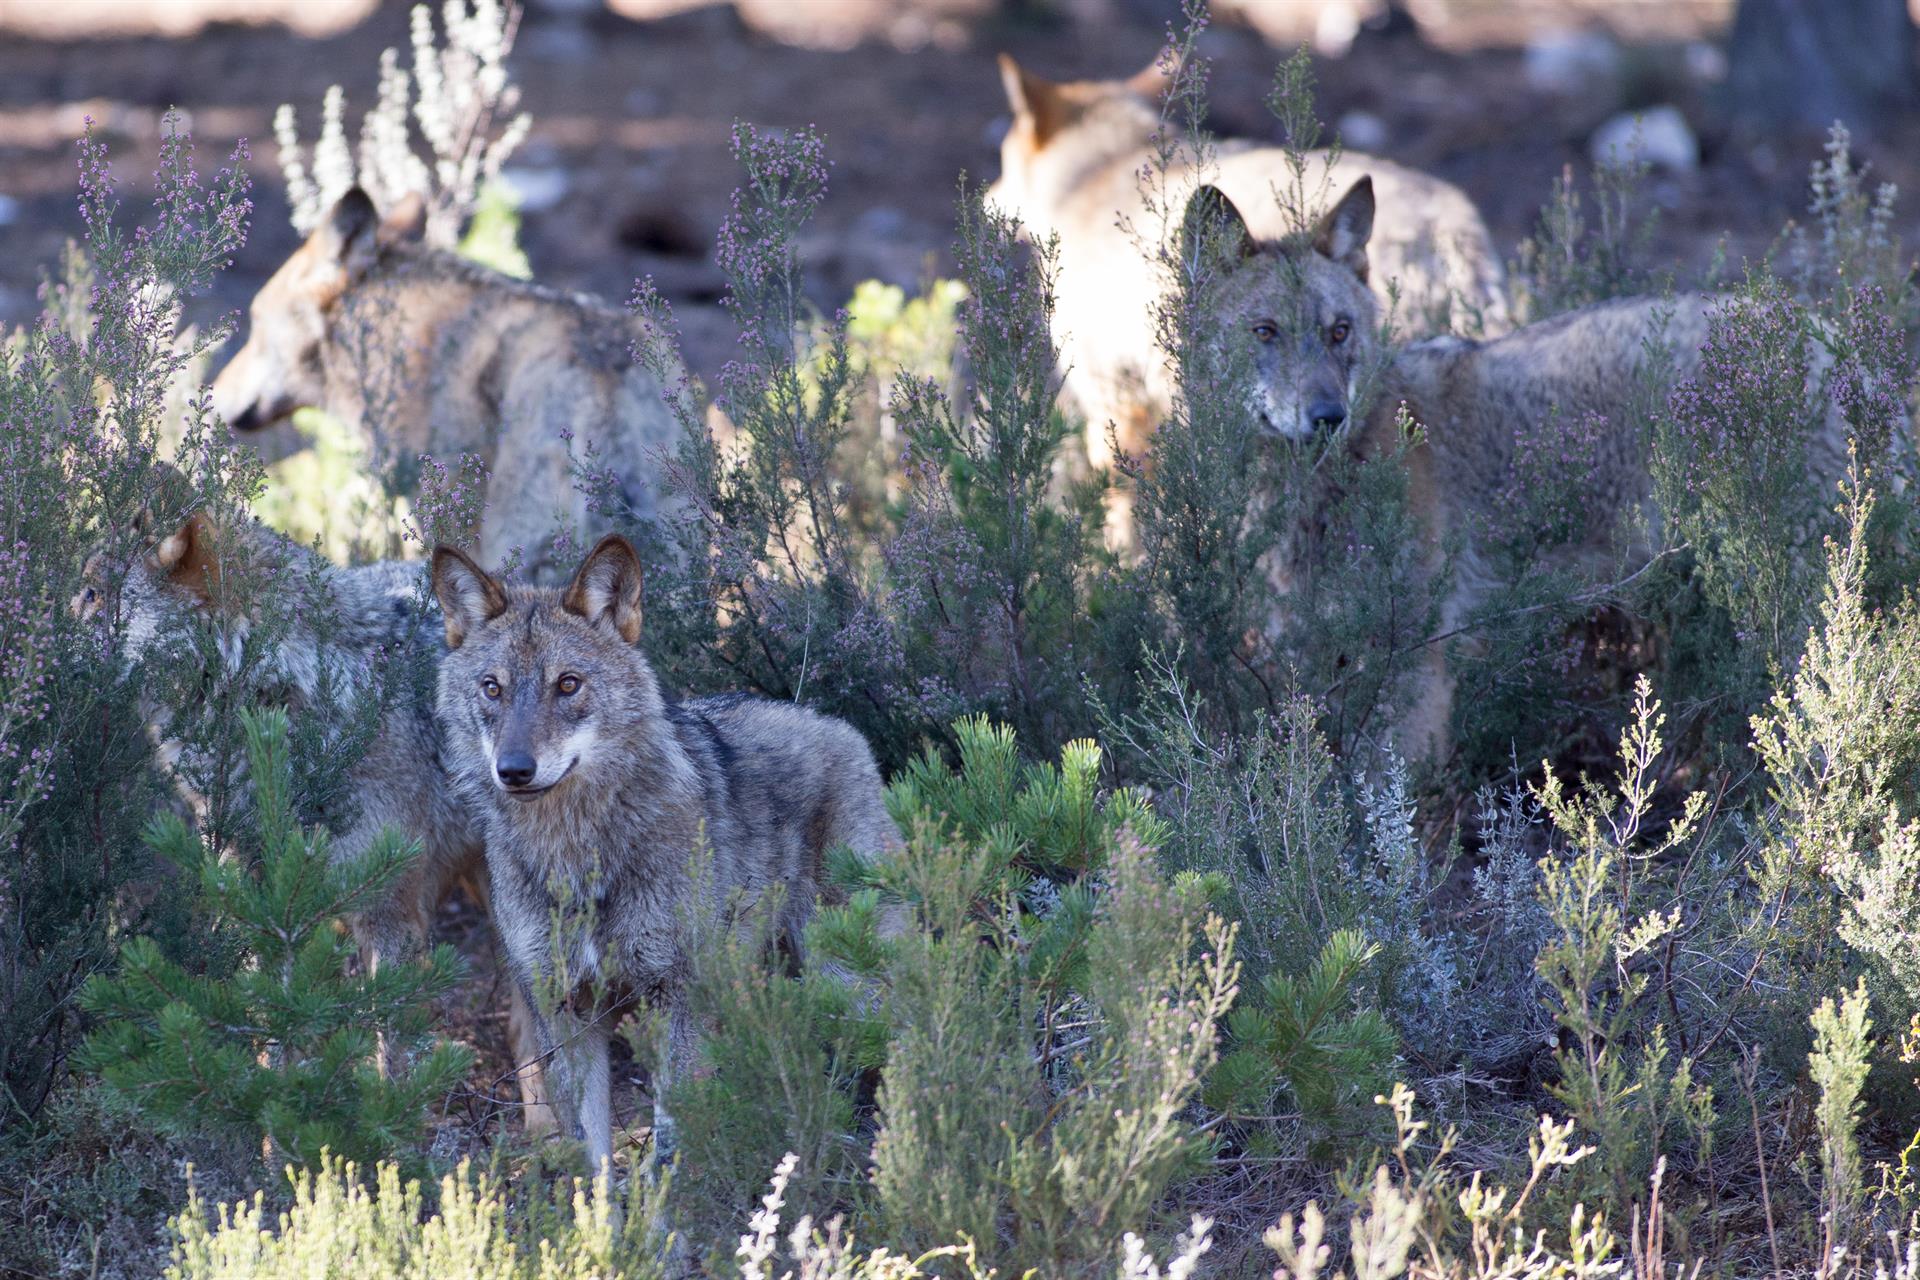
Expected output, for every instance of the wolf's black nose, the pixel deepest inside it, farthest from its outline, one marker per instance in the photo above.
(1327, 414)
(516, 768)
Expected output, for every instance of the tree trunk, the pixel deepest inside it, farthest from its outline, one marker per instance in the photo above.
(1802, 64)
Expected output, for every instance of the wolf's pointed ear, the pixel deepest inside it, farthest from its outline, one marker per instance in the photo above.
(406, 222)
(1036, 103)
(468, 595)
(606, 588)
(188, 558)
(1212, 220)
(1344, 230)
(350, 236)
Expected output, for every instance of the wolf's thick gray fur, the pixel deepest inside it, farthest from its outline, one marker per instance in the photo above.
(601, 796)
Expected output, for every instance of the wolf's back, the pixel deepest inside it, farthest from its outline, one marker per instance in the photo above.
(789, 782)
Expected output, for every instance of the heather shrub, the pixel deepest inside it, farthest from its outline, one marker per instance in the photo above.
(84, 398)
(1730, 465)
(972, 598)
(340, 1221)
(1573, 259)
(1826, 339)
(1849, 241)
(989, 580)
(772, 588)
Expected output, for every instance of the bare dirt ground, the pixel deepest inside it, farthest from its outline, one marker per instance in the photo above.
(632, 118)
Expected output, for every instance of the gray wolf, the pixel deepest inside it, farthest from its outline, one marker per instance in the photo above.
(599, 794)
(1071, 166)
(424, 352)
(363, 632)
(1474, 400)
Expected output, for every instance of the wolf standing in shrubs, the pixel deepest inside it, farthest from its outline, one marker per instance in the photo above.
(599, 796)
(1071, 166)
(350, 651)
(1301, 312)
(425, 352)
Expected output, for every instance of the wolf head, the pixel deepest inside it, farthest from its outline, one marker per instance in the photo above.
(154, 575)
(1300, 310)
(282, 366)
(540, 684)
(1058, 128)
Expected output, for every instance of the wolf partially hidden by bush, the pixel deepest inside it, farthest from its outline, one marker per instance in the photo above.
(1299, 317)
(360, 651)
(421, 351)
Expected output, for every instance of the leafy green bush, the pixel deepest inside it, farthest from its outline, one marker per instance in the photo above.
(282, 1046)
(1039, 1003)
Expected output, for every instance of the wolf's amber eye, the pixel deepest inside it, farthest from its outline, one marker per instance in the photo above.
(568, 686)
(1338, 334)
(491, 688)
(1266, 331)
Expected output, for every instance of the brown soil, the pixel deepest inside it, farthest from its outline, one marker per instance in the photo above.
(636, 115)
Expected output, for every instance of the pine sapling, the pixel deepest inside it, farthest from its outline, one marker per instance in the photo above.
(281, 1048)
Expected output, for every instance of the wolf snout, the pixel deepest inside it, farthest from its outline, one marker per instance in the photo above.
(515, 768)
(1327, 415)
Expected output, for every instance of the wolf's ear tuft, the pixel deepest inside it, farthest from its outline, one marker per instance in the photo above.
(1037, 104)
(1212, 221)
(187, 556)
(1345, 229)
(406, 222)
(351, 232)
(468, 595)
(607, 587)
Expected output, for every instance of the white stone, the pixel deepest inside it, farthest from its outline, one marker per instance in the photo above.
(1571, 62)
(536, 190)
(1362, 131)
(1659, 136)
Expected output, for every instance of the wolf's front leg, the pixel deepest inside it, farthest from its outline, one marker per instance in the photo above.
(579, 1085)
(676, 1063)
(389, 936)
(529, 1063)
